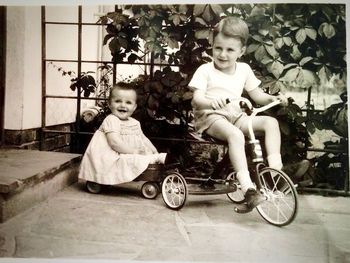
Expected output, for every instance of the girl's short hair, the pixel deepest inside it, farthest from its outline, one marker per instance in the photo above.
(121, 86)
(233, 26)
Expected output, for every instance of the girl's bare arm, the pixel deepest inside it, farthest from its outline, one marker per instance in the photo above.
(149, 144)
(118, 145)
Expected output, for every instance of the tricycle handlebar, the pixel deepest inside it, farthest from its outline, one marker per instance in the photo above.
(254, 112)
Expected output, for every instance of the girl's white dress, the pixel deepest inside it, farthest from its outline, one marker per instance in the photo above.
(103, 165)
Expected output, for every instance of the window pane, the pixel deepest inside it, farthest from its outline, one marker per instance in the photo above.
(91, 42)
(91, 14)
(58, 80)
(59, 111)
(61, 42)
(61, 14)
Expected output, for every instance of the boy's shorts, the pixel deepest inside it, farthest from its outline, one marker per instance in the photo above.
(203, 119)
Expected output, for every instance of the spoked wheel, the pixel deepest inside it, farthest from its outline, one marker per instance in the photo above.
(174, 191)
(93, 187)
(237, 196)
(150, 190)
(281, 206)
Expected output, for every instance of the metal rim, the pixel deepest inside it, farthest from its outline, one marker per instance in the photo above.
(149, 190)
(93, 187)
(281, 206)
(174, 191)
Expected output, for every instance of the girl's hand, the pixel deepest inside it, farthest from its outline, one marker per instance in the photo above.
(218, 103)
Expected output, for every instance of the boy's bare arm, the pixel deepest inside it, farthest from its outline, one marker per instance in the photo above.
(200, 101)
(262, 98)
(118, 145)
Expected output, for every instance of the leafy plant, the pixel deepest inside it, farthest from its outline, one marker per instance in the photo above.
(86, 82)
(294, 133)
(291, 45)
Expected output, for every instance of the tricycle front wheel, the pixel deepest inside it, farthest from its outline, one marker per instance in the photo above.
(281, 206)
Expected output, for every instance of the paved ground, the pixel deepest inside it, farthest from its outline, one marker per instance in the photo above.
(121, 225)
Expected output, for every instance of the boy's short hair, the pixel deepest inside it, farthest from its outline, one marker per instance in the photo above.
(232, 26)
(122, 86)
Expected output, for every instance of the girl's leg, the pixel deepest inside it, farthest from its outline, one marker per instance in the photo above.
(270, 127)
(225, 131)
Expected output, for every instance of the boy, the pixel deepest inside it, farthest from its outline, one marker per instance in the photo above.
(226, 78)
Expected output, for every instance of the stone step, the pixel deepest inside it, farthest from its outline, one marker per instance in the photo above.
(28, 177)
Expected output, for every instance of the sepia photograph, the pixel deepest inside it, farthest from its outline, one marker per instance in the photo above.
(180, 131)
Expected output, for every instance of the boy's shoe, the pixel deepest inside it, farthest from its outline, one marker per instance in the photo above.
(253, 198)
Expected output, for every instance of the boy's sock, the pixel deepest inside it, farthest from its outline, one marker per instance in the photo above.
(275, 161)
(245, 181)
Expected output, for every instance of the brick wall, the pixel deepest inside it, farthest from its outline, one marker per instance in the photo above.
(30, 139)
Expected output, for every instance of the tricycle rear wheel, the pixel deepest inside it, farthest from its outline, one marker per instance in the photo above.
(237, 197)
(174, 191)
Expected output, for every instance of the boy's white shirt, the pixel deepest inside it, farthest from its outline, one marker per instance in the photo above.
(218, 84)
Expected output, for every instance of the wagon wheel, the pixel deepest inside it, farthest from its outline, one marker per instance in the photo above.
(150, 190)
(94, 188)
